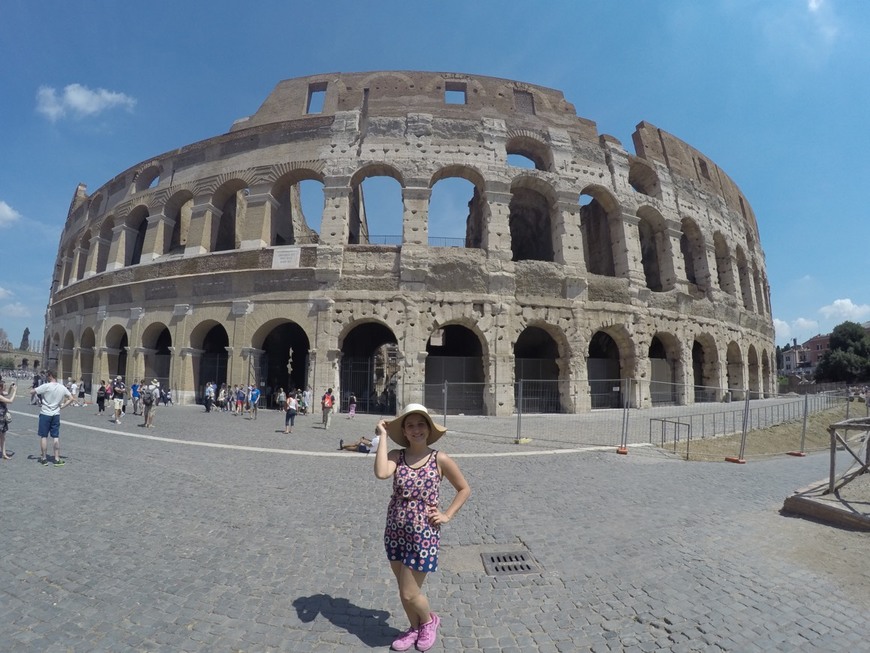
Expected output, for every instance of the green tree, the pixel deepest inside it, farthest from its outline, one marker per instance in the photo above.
(848, 356)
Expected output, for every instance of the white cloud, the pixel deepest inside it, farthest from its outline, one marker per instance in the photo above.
(804, 325)
(80, 101)
(8, 215)
(5, 293)
(16, 309)
(845, 309)
(783, 330)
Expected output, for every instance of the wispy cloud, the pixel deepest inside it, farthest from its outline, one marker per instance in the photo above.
(16, 309)
(8, 215)
(79, 101)
(4, 293)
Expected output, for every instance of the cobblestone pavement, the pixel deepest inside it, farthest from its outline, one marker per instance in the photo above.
(218, 533)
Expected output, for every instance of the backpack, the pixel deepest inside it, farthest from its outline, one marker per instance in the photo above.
(148, 397)
(101, 393)
(327, 401)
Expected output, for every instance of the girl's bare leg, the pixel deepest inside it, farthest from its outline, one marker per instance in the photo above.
(413, 600)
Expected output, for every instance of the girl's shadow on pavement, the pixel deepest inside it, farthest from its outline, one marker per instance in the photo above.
(369, 625)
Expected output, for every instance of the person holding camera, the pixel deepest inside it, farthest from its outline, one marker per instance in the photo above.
(5, 399)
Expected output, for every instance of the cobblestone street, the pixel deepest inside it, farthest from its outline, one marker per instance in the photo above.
(219, 533)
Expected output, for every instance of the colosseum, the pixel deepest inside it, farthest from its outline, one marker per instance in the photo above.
(587, 277)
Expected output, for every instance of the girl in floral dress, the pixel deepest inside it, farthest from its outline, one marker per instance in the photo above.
(413, 530)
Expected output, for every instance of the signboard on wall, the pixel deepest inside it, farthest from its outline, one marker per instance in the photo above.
(286, 257)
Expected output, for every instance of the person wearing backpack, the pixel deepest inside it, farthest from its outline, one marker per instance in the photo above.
(101, 398)
(149, 395)
(326, 402)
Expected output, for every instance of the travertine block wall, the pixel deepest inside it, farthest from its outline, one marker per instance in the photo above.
(659, 250)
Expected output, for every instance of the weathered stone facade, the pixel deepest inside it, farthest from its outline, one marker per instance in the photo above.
(597, 264)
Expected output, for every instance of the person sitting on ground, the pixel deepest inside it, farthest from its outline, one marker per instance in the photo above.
(363, 445)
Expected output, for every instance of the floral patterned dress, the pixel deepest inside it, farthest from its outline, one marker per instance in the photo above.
(409, 537)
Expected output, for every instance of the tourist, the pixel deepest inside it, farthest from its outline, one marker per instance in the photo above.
(134, 394)
(54, 397)
(413, 530)
(255, 399)
(291, 407)
(150, 395)
(6, 398)
(119, 397)
(351, 406)
(102, 392)
(363, 445)
(326, 402)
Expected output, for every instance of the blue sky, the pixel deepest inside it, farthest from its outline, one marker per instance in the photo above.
(774, 91)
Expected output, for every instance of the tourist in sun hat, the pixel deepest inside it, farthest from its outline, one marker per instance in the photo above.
(413, 531)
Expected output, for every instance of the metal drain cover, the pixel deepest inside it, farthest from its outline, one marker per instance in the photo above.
(507, 564)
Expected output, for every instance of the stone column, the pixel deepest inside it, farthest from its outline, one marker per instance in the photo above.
(415, 213)
(671, 265)
(122, 242)
(97, 244)
(567, 234)
(78, 260)
(156, 237)
(65, 270)
(497, 231)
(255, 231)
(203, 227)
(336, 209)
(187, 370)
(627, 257)
(251, 357)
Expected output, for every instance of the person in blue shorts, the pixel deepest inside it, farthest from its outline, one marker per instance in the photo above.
(54, 396)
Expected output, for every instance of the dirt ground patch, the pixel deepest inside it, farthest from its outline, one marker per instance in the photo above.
(776, 440)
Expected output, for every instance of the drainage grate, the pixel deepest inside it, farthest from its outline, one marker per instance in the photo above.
(506, 564)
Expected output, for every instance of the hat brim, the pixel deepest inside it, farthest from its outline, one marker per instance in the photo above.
(394, 427)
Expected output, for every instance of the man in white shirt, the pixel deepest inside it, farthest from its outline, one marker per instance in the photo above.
(54, 397)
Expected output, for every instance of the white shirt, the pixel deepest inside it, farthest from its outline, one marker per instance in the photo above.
(53, 395)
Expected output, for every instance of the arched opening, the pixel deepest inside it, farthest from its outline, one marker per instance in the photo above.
(300, 204)
(734, 363)
(724, 271)
(116, 346)
(759, 294)
(531, 225)
(284, 361)
(663, 373)
(456, 213)
(157, 341)
(527, 152)
(138, 220)
(67, 356)
(692, 249)
(604, 372)
(766, 381)
(104, 244)
(231, 198)
(454, 363)
(704, 373)
(370, 368)
(88, 343)
(376, 207)
(597, 241)
(147, 178)
(652, 251)
(745, 285)
(753, 370)
(643, 178)
(68, 259)
(213, 362)
(536, 372)
(84, 249)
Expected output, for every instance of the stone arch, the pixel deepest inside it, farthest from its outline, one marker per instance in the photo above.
(753, 369)
(531, 146)
(178, 210)
(211, 337)
(724, 266)
(759, 292)
(69, 343)
(610, 358)
(87, 349)
(157, 342)
(290, 226)
(643, 178)
(229, 199)
(599, 212)
(95, 205)
(84, 248)
(147, 177)
(743, 274)
(734, 370)
(705, 368)
(538, 373)
(137, 222)
(359, 232)
(375, 83)
(284, 361)
(117, 342)
(654, 248)
(370, 365)
(532, 207)
(767, 386)
(694, 253)
(456, 357)
(68, 258)
(478, 208)
(664, 356)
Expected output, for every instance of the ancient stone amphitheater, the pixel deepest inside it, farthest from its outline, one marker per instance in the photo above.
(580, 276)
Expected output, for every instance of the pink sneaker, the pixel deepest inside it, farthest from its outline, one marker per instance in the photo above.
(428, 633)
(406, 640)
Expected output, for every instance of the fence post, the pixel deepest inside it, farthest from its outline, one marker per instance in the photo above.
(739, 459)
(803, 429)
(520, 439)
(444, 393)
(623, 449)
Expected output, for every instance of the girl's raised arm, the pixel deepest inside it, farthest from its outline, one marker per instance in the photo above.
(384, 467)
